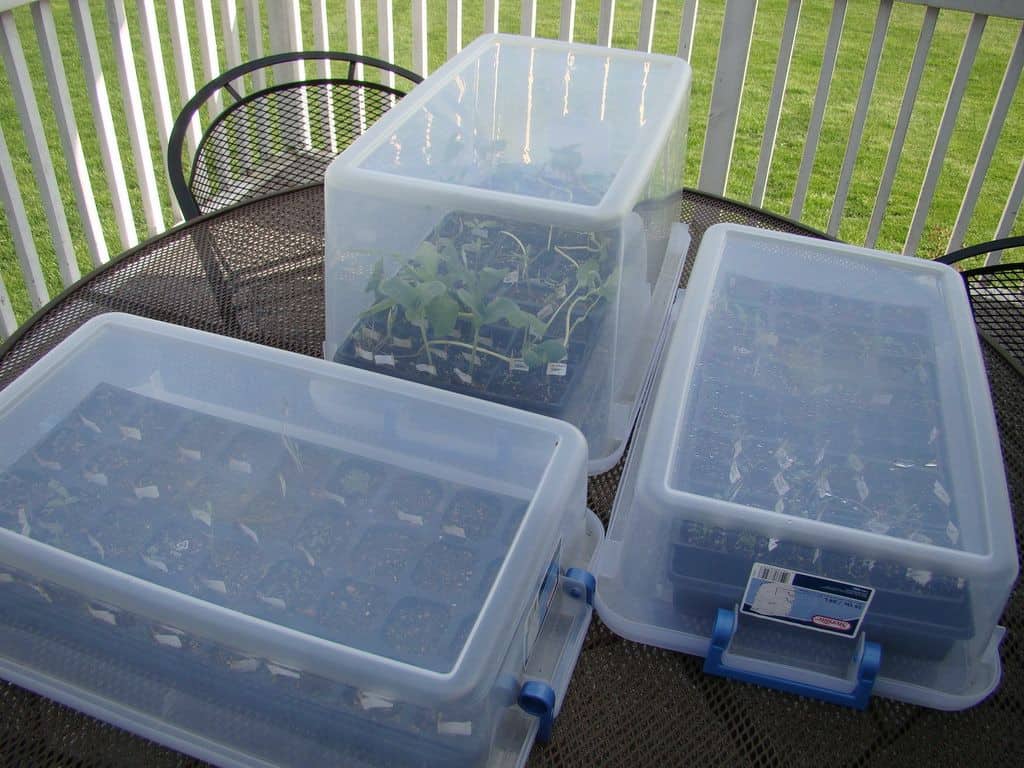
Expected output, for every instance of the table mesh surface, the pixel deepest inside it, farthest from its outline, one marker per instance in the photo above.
(255, 272)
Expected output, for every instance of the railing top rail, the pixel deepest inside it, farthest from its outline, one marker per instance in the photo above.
(1010, 9)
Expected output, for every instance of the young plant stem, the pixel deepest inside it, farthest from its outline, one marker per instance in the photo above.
(426, 346)
(566, 256)
(568, 317)
(464, 345)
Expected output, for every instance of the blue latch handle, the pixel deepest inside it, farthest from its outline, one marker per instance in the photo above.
(538, 699)
(867, 669)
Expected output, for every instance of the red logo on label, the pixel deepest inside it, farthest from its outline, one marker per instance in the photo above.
(830, 623)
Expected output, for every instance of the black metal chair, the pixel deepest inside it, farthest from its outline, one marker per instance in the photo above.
(277, 128)
(997, 295)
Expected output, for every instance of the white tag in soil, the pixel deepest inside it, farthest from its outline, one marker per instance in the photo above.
(388, 360)
(557, 369)
(424, 368)
(518, 366)
(364, 354)
(464, 377)
(403, 343)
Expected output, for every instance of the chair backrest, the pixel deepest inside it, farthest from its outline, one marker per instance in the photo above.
(271, 127)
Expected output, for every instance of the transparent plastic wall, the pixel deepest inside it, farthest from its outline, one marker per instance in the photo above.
(510, 230)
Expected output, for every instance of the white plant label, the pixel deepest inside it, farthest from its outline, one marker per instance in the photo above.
(190, 453)
(370, 701)
(90, 425)
(855, 463)
(821, 454)
(518, 366)
(780, 506)
(781, 486)
(244, 665)
(469, 357)
(147, 492)
(824, 489)
(403, 343)
(512, 278)
(240, 466)
(454, 727)
(942, 494)
(862, 489)
(952, 532)
(454, 530)
(557, 369)
(364, 354)
(45, 464)
(96, 478)
(203, 516)
(443, 354)
(424, 368)
(922, 577)
(102, 615)
(464, 377)
(737, 449)
(171, 641)
(388, 360)
(486, 341)
(933, 436)
(734, 474)
(371, 335)
(130, 433)
(407, 517)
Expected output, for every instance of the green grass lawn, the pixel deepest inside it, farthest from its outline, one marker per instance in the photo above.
(987, 74)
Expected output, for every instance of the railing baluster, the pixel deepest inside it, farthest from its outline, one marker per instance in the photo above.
(996, 121)
(20, 81)
(183, 67)
(286, 36)
(254, 40)
(860, 114)
(687, 24)
(567, 23)
(528, 18)
(78, 170)
(354, 17)
(892, 159)
(454, 29)
(828, 66)
(325, 97)
(208, 50)
(730, 72)
(606, 23)
(103, 121)
(648, 12)
(21, 233)
(8, 323)
(232, 36)
(420, 62)
(124, 58)
(386, 35)
(491, 16)
(158, 85)
(771, 123)
(1010, 211)
(945, 133)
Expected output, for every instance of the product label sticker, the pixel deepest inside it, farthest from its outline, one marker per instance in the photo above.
(804, 600)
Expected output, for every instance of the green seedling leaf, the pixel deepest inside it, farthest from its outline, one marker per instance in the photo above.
(380, 306)
(488, 279)
(500, 309)
(550, 351)
(426, 261)
(442, 313)
(588, 275)
(373, 284)
(399, 290)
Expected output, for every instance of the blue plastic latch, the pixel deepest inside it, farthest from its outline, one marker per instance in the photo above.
(579, 574)
(538, 699)
(867, 669)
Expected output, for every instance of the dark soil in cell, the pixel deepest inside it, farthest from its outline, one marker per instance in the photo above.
(352, 605)
(446, 568)
(324, 537)
(385, 553)
(292, 586)
(416, 628)
(471, 516)
(179, 546)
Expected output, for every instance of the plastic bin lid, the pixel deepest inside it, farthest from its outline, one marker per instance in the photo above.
(807, 388)
(612, 115)
(349, 522)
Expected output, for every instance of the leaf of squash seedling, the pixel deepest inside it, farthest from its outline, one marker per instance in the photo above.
(426, 260)
(500, 309)
(534, 325)
(588, 275)
(399, 290)
(380, 306)
(488, 279)
(442, 313)
(550, 351)
(373, 284)
(611, 285)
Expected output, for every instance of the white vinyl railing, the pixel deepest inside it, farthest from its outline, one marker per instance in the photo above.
(160, 51)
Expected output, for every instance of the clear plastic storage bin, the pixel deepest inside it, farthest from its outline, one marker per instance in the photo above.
(262, 558)
(510, 230)
(816, 499)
